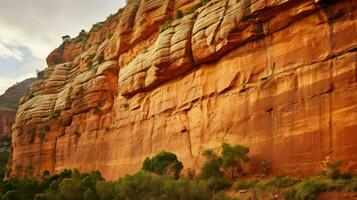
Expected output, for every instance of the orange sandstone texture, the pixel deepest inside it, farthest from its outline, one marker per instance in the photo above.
(277, 76)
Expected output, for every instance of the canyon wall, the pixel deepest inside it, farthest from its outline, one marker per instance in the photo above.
(8, 105)
(278, 76)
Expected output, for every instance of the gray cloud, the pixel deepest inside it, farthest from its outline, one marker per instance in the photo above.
(37, 25)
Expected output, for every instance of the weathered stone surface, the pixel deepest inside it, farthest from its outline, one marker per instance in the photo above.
(277, 76)
(8, 105)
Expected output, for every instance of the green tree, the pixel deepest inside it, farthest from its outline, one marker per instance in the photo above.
(213, 165)
(164, 163)
(70, 188)
(90, 195)
(141, 185)
(234, 156)
(105, 190)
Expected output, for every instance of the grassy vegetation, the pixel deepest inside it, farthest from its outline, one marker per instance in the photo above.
(305, 189)
(310, 187)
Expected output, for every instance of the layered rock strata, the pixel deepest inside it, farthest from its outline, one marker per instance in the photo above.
(8, 105)
(277, 76)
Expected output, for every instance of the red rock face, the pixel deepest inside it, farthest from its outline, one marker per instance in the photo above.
(277, 76)
(7, 116)
(8, 105)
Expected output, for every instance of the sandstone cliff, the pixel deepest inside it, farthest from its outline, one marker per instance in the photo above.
(278, 76)
(8, 105)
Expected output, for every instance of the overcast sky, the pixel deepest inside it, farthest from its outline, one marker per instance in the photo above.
(31, 29)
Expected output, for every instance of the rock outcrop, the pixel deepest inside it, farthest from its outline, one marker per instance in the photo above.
(8, 105)
(277, 76)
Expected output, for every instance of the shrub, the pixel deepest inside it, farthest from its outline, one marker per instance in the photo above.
(334, 169)
(204, 2)
(141, 185)
(40, 74)
(212, 166)
(278, 182)
(164, 163)
(310, 187)
(106, 190)
(90, 195)
(244, 185)
(166, 25)
(40, 197)
(234, 156)
(179, 14)
(216, 184)
(66, 38)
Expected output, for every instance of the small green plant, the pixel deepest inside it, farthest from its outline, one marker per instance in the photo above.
(204, 2)
(66, 39)
(179, 14)
(40, 74)
(166, 25)
(334, 169)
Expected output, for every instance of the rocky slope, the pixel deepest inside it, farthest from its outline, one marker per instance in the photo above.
(278, 76)
(8, 105)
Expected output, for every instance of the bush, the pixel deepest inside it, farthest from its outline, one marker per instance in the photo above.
(334, 169)
(179, 14)
(204, 2)
(212, 166)
(40, 197)
(310, 187)
(164, 163)
(216, 184)
(244, 185)
(234, 156)
(141, 185)
(90, 195)
(278, 182)
(105, 190)
(40, 74)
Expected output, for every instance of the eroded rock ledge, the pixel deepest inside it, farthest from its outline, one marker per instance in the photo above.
(277, 76)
